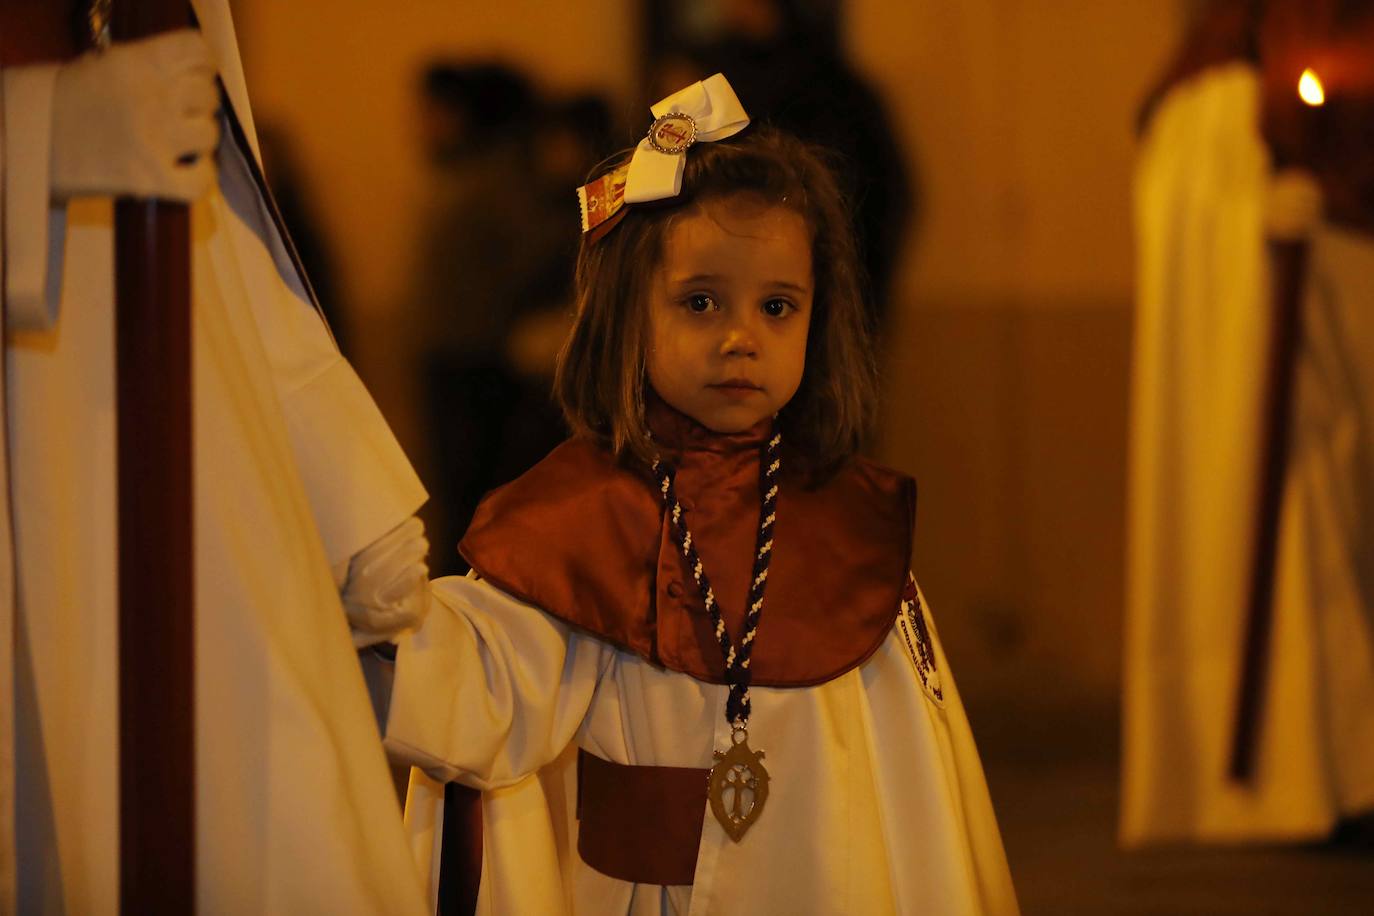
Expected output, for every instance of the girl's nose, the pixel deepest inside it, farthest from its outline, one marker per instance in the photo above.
(740, 340)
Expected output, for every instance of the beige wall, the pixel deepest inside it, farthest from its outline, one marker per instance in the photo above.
(1020, 114)
(1007, 373)
(1007, 368)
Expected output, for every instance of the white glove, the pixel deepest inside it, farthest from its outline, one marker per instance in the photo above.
(387, 590)
(138, 119)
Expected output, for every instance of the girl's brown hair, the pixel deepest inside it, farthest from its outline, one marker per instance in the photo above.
(601, 377)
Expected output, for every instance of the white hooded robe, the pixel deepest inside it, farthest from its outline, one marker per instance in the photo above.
(295, 470)
(1204, 191)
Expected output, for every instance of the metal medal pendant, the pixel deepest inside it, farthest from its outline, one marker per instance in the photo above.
(673, 133)
(738, 786)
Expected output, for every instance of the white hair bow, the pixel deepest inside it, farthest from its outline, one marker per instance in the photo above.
(704, 111)
(708, 110)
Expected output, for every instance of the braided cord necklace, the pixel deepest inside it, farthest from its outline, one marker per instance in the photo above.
(738, 785)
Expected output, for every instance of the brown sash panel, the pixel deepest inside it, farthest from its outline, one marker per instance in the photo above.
(640, 823)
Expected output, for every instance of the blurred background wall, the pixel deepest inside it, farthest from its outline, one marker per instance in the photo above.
(1007, 375)
(341, 79)
(1007, 359)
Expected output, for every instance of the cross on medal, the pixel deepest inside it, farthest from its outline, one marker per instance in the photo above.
(738, 785)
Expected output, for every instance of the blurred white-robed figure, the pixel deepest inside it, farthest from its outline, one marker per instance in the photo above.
(297, 479)
(1209, 202)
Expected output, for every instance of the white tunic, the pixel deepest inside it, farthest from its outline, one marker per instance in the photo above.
(1202, 344)
(877, 802)
(294, 471)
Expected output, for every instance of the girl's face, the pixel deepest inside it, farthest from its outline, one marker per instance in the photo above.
(729, 311)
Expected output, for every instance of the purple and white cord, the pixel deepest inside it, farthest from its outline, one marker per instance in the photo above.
(737, 672)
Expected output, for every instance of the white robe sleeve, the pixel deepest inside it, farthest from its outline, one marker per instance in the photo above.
(490, 689)
(358, 481)
(34, 228)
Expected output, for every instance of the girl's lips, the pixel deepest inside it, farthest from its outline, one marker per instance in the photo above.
(736, 388)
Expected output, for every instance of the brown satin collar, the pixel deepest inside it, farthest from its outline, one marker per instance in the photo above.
(586, 539)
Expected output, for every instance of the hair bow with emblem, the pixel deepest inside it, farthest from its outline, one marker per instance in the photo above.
(704, 111)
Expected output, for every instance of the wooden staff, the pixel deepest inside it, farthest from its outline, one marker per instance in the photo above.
(1298, 137)
(1288, 269)
(156, 559)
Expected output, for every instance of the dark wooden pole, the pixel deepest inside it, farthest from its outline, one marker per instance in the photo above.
(460, 855)
(156, 580)
(1288, 263)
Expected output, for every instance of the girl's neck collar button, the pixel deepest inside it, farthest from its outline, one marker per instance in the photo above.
(677, 431)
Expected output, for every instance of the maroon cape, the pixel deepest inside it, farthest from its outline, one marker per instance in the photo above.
(585, 538)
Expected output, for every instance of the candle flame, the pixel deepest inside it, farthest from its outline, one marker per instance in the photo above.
(1310, 88)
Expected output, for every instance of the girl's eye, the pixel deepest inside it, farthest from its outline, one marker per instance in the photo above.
(777, 308)
(700, 302)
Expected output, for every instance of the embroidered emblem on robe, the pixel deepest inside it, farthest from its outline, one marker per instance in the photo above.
(920, 648)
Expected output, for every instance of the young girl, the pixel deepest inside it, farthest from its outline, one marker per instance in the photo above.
(690, 671)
